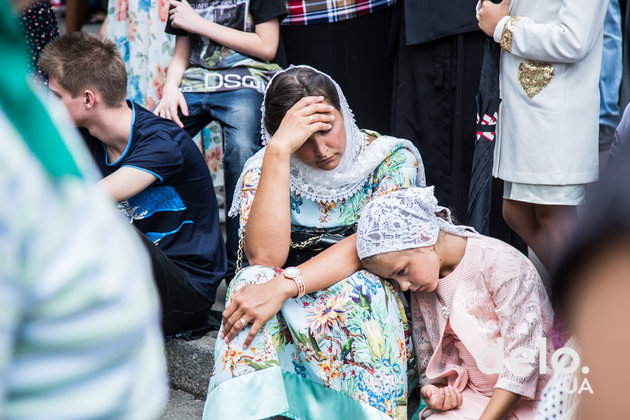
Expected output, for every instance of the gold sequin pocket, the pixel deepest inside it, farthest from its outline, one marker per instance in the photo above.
(534, 76)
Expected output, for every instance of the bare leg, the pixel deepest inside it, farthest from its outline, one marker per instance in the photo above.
(521, 218)
(558, 223)
(103, 30)
(76, 10)
(544, 228)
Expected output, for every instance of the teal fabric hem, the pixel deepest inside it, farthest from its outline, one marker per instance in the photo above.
(253, 396)
(314, 401)
(271, 392)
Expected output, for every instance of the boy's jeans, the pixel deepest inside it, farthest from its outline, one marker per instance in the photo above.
(239, 114)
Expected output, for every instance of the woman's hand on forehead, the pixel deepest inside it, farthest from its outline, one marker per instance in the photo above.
(309, 115)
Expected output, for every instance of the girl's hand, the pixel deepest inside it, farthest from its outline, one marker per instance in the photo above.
(255, 304)
(309, 115)
(441, 398)
(172, 100)
(183, 16)
(490, 14)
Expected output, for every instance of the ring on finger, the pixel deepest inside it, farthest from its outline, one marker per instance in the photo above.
(311, 118)
(243, 323)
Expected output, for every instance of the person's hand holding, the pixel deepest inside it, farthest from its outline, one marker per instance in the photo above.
(255, 304)
(309, 115)
(441, 398)
(490, 14)
(183, 16)
(172, 100)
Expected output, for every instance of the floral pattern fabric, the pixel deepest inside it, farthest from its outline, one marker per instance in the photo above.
(352, 337)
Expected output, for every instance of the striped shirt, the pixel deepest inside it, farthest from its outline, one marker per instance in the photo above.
(79, 325)
(310, 12)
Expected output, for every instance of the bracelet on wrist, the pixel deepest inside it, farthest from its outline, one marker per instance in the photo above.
(295, 274)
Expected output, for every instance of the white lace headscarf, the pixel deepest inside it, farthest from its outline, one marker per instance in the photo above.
(404, 219)
(357, 162)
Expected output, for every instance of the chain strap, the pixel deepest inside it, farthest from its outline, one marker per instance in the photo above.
(300, 245)
(239, 254)
(306, 243)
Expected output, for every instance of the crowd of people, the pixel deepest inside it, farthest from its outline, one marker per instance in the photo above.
(350, 282)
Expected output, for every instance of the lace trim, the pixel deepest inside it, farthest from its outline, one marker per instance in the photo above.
(402, 220)
(327, 188)
(357, 162)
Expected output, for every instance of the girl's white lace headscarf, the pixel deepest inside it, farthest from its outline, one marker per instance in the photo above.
(404, 219)
(357, 162)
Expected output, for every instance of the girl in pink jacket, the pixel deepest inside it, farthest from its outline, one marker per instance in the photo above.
(480, 314)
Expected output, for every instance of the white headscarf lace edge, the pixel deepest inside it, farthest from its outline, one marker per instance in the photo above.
(404, 219)
(357, 163)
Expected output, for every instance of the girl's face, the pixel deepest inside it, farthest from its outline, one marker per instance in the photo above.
(324, 149)
(417, 269)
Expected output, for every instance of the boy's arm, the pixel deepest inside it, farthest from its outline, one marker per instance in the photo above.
(263, 43)
(126, 182)
(172, 97)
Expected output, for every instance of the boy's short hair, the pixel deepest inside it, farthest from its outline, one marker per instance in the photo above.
(80, 60)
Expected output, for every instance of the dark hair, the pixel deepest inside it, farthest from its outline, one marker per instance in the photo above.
(289, 87)
(80, 60)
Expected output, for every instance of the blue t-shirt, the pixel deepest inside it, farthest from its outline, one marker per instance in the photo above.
(179, 212)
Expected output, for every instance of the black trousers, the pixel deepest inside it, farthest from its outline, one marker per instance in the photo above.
(355, 54)
(183, 308)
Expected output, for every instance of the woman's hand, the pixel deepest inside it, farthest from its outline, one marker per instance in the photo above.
(490, 14)
(183, 16)
(172, 100)
(255, 304)
(307, 116)
(441, 398)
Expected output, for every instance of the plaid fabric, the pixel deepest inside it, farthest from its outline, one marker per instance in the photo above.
(309, 12)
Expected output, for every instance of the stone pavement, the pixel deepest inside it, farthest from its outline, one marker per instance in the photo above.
(183, 406)
(189, 367)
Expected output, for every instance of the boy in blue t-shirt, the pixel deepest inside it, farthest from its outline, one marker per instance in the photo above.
(152, 168)
(219, 71)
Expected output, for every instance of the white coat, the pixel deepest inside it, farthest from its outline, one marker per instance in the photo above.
(549, 82)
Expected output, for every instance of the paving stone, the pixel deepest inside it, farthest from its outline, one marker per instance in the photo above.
(190, 363)
(183, 406)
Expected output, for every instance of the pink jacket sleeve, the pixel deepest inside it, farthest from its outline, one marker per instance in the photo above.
(524, 316)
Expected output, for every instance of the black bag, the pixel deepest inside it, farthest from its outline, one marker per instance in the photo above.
(306, 245)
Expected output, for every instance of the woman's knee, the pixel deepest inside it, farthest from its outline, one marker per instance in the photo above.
(254, 274)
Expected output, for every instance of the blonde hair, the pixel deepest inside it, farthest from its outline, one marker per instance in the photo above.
(80, 60)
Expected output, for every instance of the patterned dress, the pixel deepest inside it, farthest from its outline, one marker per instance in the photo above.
(342, 352)
(39, 23)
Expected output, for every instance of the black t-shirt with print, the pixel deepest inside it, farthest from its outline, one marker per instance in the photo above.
(214, 67)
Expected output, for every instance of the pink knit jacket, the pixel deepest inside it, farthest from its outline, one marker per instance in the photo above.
(494, 292)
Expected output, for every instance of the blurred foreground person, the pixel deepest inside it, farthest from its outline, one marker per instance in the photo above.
(79, 327)
(592, 291)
